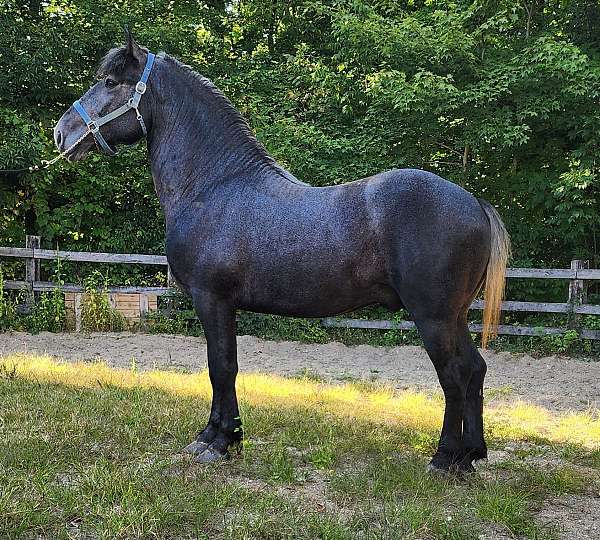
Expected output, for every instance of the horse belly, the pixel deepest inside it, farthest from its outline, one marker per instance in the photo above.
(316, 290)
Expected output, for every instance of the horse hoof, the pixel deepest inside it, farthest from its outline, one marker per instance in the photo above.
(210, 455)
(437, 471)
(195, 448)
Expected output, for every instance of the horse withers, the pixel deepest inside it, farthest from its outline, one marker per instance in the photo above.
(244, 233)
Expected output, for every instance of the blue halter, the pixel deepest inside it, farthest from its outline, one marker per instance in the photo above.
(133, 103)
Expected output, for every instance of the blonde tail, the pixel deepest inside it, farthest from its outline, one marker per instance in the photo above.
(495, 273)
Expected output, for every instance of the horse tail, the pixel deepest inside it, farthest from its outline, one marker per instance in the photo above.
(495, 272)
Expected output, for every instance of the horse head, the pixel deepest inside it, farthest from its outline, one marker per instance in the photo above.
(112, 111)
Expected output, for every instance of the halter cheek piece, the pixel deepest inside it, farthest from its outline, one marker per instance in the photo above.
(132, 103)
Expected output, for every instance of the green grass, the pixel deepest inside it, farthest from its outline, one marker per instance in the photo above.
(91, 452)
(507, 506)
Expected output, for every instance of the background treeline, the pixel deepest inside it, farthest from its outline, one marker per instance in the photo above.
(500, 96)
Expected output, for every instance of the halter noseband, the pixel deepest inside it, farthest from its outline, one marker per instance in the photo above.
(132, 103)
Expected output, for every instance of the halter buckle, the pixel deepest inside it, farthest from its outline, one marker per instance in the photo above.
(93, 127)
(140, 87)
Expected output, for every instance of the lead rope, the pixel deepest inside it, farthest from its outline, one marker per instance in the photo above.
(44, 164)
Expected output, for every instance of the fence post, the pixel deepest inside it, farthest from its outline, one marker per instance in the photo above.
(32, 267)
(171, 283)
(170, 279)
(143, 305)
(577, 291)
(77, 309)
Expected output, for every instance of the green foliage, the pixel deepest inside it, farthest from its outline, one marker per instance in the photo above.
(279, 467)
(174, 316)
(396, 336)
(158, 323)
(505, 505)
(500, 99)
(97, 315)
(281, 328)
(8, 312)
(560, 343)
(48, 312)
(322, 457)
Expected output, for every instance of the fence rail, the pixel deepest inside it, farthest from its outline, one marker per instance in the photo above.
(46, 286)
(504, 329)
(578, 276)
(82, 256)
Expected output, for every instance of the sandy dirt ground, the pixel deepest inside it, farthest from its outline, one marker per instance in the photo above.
(556, 383)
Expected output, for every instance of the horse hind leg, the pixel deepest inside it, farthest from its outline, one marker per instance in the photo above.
(473, 436)
(445, 344)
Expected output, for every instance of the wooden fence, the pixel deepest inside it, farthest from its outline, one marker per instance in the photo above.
(579, 275)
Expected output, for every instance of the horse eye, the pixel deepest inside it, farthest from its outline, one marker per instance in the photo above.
(110, 83)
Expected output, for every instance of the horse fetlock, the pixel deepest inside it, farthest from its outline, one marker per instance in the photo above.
(208, 433)
(457, 462)
(219, 449)
(215, 435)
(223, 442)
(462, 468)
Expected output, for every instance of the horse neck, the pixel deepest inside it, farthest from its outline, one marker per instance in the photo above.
(197, 139)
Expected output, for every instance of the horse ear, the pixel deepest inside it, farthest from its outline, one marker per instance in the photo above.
(133, 49)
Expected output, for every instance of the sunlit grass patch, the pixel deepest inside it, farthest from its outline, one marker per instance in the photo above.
(93, 452)
(383, 405)
(498, 393)
(525, 421)
(579, 428)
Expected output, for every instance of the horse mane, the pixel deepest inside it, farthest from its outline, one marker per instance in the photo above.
(234, 121)
(116, 62)
(252, 148)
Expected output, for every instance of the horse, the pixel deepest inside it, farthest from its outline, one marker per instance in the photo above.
(243, 233)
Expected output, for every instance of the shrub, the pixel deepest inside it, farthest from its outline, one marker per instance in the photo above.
(97, 315)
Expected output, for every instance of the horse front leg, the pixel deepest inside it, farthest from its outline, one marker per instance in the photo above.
(224, 425)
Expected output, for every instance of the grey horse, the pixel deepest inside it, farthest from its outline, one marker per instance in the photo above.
(244, 233)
